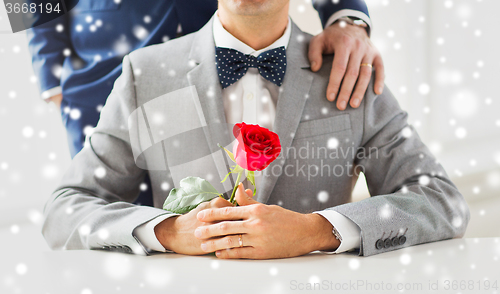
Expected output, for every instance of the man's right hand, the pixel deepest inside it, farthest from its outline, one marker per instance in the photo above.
(177, 233)
(57, 99)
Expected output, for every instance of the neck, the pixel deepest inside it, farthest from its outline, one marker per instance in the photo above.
(257, 32)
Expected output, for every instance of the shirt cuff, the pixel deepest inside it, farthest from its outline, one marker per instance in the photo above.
(145, 233)
(51, 92)
(350, 233)
(349, 12)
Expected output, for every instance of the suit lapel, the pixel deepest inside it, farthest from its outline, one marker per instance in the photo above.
(206, 81)
(291, 101)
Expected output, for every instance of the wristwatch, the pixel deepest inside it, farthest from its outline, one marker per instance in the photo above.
(355, 21)
(337, 234)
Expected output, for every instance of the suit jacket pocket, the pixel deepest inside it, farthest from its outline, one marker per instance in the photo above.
(97, 5)
(323, 126)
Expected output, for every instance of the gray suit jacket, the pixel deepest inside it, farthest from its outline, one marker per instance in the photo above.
(165, 117)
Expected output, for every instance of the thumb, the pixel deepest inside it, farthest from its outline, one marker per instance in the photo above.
(244, 197)
(315, 52)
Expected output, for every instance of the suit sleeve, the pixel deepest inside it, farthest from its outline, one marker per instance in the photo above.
(46, 42)
(92, 208)
(329, 11)
(411, 194)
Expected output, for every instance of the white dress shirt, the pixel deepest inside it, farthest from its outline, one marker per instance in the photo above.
(253, 99)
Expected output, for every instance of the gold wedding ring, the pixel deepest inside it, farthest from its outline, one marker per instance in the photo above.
(241, 241)
(366, 64)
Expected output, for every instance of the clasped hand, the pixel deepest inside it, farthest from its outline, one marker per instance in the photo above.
(267, 231)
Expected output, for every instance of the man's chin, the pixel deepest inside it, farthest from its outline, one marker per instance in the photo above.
(249, 7)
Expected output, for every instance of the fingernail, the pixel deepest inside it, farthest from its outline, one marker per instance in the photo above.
(201, 214)
(380, 89)
(217, 253)
(197, 233)
(355, 102)
(203, 246)
(342, 105)
(313, 64)
(331, 97)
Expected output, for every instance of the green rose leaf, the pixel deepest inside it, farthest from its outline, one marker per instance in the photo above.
(251, 178)
(229, 153)
(192, 192)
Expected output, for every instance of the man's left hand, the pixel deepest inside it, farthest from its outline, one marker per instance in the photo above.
(268, 231)
(352, 47)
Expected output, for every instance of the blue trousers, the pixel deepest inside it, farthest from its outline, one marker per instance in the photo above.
(76, 117)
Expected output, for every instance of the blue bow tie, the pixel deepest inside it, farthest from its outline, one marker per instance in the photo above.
(232, 65)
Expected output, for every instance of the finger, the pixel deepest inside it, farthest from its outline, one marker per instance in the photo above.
(349, 81)
(249, 193)
(378, 64)
(365, 74)
(235, 253)
(226, 242)
(315, 53)
(244, 198)
(220, 229)
(222, 214)
(340, 61)
(219, 202)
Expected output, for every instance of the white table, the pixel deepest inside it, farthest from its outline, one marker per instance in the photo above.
(452, 264)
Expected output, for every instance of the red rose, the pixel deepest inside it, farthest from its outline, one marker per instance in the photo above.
(256, 147)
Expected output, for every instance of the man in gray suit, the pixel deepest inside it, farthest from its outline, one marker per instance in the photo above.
(166, 116)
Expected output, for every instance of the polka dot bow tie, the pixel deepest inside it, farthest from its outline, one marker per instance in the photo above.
(232, 65)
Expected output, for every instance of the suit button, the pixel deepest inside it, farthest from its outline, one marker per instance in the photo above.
(402, 240)
(395, 241)
(387, 243)
(379, 244)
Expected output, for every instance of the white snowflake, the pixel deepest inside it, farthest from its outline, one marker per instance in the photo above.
(103, 234)
(323, 196)
(12, 94)
(332, 143)
(314, 280)
(354, 264)
(165, 186)
(100, 172)
(460, 132)
(84, 230)
(215, 264)
(405, 259)
(50, 171)
(407, 132)
(424, 180)
(28, 132)
(273, 271)
(75, 114)
(21, 269)
(424, 89)
(4, 165)
(14, 229)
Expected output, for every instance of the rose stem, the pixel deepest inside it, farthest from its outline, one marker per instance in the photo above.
(235, 187)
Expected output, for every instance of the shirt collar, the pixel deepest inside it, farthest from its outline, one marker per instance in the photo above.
(224, 39)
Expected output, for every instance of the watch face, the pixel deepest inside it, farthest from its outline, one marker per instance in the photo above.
(359, 22)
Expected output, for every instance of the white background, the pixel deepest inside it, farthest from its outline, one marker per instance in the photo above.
(442, 64)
